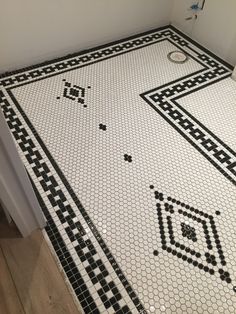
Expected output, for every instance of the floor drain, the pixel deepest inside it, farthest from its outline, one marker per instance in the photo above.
(177, 56)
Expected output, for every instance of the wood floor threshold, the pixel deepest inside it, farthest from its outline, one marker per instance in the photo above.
(30, 279)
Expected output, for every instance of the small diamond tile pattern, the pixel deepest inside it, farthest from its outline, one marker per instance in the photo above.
(141, 221)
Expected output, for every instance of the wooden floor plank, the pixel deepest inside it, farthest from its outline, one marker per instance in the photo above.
(39, 283)
(9, 300)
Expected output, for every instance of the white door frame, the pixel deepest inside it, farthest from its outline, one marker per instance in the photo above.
(16, 192)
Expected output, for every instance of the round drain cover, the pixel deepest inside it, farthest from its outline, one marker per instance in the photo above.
(177, 56)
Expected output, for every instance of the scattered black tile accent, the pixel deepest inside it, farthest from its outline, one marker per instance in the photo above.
(127, 157)
(102, 127)
(168, 209)
(155, 253)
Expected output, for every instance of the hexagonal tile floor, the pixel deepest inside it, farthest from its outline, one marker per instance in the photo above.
(132, 158)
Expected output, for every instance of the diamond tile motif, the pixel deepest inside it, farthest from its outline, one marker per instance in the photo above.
(74, 93)
(132, 158)
(171, 213)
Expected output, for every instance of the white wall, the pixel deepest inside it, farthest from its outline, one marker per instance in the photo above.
(32, 31)
(215, 27)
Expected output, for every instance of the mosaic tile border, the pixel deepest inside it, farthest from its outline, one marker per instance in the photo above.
(163, 100)
(40, 167)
